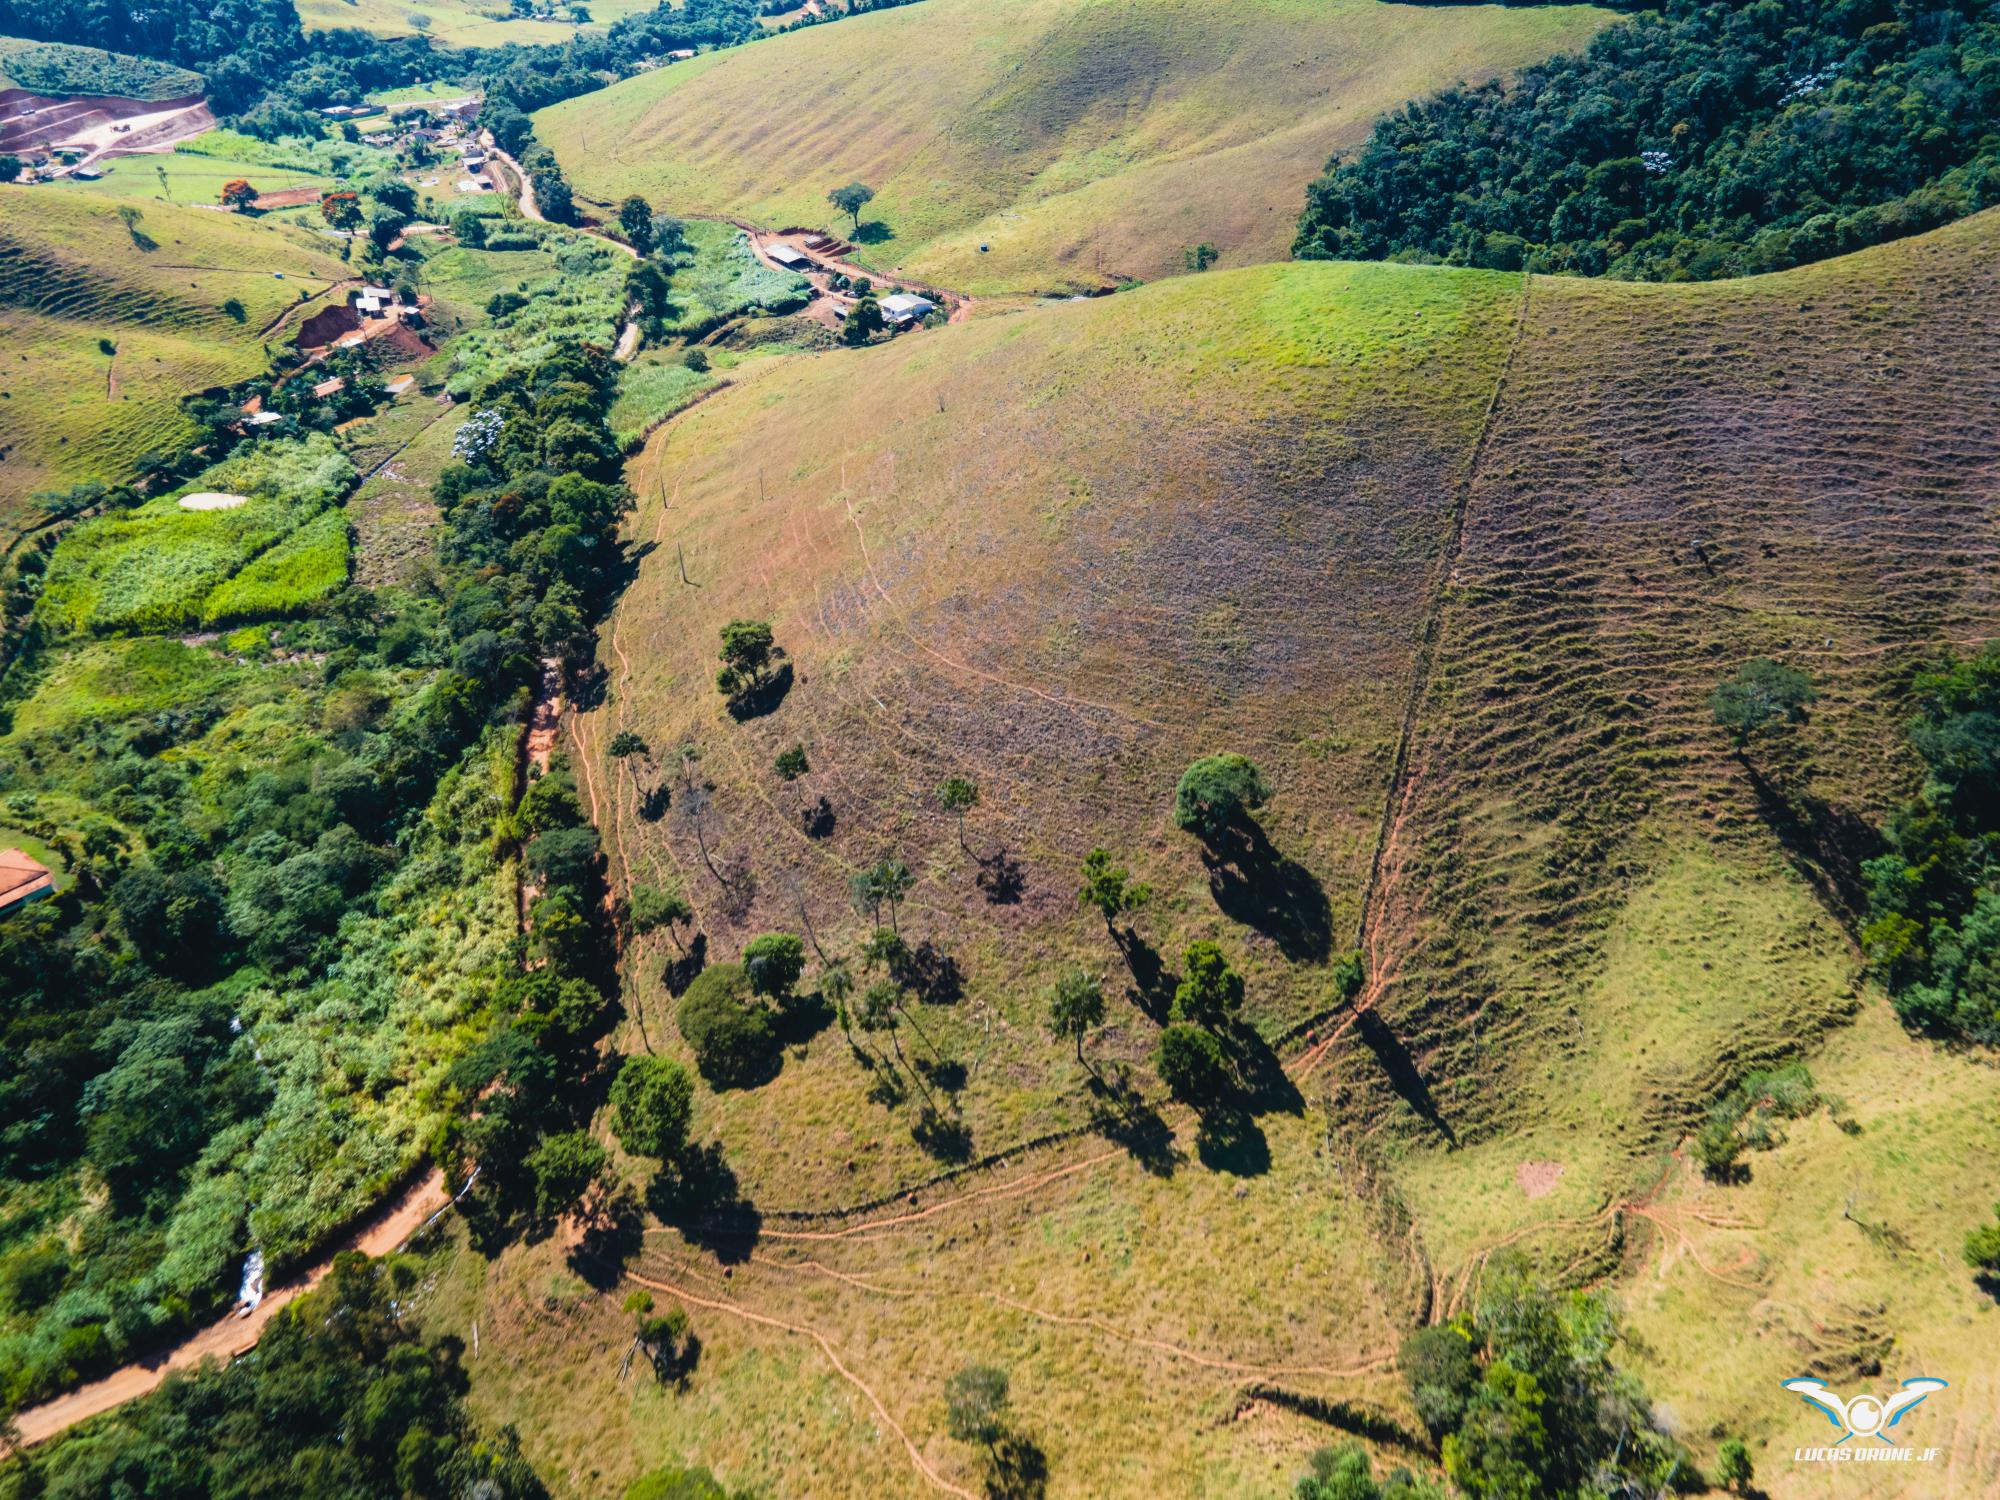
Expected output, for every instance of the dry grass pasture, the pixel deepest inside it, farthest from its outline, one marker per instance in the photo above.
(457, 23)
(71, 274)
(1457, 559)
(1081, 140)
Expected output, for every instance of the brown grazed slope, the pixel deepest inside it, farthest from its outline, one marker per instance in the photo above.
(1802, 466)
(1062, 553)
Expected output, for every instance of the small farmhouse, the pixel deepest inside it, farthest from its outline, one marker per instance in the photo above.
(23, 879)
(789, 258)
(906, 307)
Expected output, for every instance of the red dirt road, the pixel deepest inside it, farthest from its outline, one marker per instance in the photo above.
(388, 1227)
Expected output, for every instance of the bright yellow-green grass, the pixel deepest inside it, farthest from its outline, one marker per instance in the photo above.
(1060, 552)
(458, 23)
(1082, 140)
(71, 274)
(312, 561)
(180, 178)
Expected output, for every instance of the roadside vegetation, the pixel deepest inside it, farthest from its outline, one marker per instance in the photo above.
(312, 816)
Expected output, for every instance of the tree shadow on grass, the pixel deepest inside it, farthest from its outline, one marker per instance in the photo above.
(1000, 879)
(931, 974)
(1827, 844)
(1017, 1469)
(1228, 1139)
(872, 233)
(682, 971)
(1263, 1087)
(1401, 1071)
(1120, 1113)
(946, 1137)
(817, 819)
(945, 1074)
(701, 1200)
(802, 1018)
(761, 698)
(1256, 885)
(1152, 985)
(610, 1239)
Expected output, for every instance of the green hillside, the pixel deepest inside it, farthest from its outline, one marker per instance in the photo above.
(52, 68)
(1062, 552)
(72, 274)
(458, 23)
(1081, 140)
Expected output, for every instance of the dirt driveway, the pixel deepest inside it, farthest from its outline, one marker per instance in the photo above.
(831, 306)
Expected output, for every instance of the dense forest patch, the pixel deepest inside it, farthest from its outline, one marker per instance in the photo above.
(1705, 139)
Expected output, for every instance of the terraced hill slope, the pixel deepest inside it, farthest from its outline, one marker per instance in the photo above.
(1081, 140)
(1456, 559)
(72, 274)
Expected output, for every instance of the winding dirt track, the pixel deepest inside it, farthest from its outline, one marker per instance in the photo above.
(384, 1230)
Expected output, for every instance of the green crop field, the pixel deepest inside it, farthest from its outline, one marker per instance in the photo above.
(1063, 551)
(52, 68)
(162, 566)
(72, 274)
(1082, 140)
(655, 386)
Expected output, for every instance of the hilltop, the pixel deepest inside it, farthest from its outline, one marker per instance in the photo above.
(1080, 140)
(1456, 557)
(72, 412)
(55, 69)
(461, 23)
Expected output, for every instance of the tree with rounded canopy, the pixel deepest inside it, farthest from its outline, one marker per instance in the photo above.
(851, 199)
(1345, 1473)
(1210, 992)
(1109, 889)
(1761, 693)
(635, 217)
(1733, 1467)
(341, 209)
(747, 654)
(652, 1103)
(565, 1168)
(957, 795)
(729, 1030)
(1076, 1007)
(625, 743)
(669, 236)
(774, 961)
(238, 194)
(1215, 792)
(975, 1405)
(1191, 1064)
